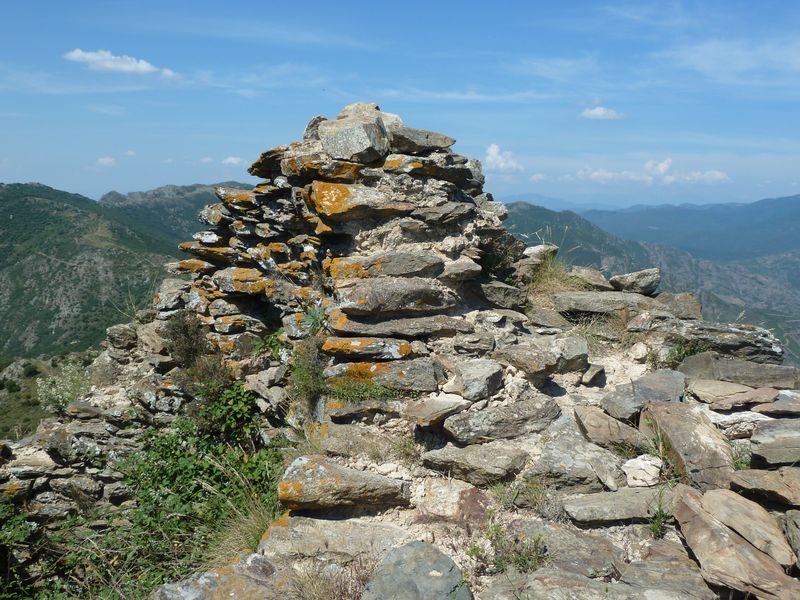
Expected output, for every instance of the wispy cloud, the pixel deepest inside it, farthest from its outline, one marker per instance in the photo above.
(130, 152)
(740, 61)
(24, 80)
(206, 160)
(497, 160)
(232, 160)
(538, 178)
(103, 60)
(601, 113)
(414, 94)
(111, 110)
(106, 161)
(557, 69)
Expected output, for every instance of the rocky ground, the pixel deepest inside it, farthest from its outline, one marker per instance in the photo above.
(549, 434)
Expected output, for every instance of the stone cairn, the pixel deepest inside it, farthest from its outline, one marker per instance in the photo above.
(376, 242)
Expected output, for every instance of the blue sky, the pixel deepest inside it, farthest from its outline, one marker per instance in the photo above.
(593, 102)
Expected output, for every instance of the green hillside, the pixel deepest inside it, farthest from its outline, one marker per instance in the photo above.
(68, 270)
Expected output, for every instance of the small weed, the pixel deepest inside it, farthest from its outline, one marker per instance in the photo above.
(272, 345)
(407, 451)
(506, 494)
(315, 320)
(742, 456)
(56, 392)
(681, 351)
(658, 444)
(541, 497)
(206, 378)
(327, 582)
(659, 519)
(525, 555)
(625, 450)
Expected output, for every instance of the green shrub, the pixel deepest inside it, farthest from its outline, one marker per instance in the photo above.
(315, 320)
(30, 370)
(306, 383)
(12, 386)
(271, 344)
(185, 338)
(207, 377)
(229, 417)
(682, 350)
(523, 554)
(356, 391)
(56, 392)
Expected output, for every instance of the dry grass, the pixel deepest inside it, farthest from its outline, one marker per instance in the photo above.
(552, 276)
(318, 581)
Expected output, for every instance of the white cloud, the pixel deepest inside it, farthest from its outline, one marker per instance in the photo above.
(206, 160)
(106, 161)
(538, 177)
(653, 171)
(232, 160)
(601, 113)
(112, 110)
(167, 161)
(103, 60)
(501, 161)
(130, 152)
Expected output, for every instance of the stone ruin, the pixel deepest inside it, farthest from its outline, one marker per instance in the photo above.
(378, 241)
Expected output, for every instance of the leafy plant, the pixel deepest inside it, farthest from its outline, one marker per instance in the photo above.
(57, 391)
(356, 391)
(659, 518)
(523, 554)
(315, 319)
(207, 377)
(271, 345)
(682, 350)
(742, 456)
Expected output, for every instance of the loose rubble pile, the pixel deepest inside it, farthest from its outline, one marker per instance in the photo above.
(628, 478)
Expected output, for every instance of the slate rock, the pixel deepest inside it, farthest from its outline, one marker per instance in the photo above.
(641, 282)
(624, 505)
(406, 140)
(683, 305)
(569, 461)
(643, 471)
(606, 431)
(394, 296)
(478, 379)
(572, 550)
(751, 521)
(432, 411)
(726, 558)
(386, 264)
(591, 278)
(776, 443)
(313, 483)
(121, 336)
(781, 486)
(696, 448)
(626, 400)
(787, 404)
(535, 363)
(367, 348)
(343, 202)
(666, 572)
(360, 139)
(604, 303)
(550, 583)
(791, 528)
(710, 365)
(410, 327)
(417, 571)
(297, 538)
(463, 269)
(530, 415)
(452, 500)
(417, 374)
(479, 464)
(504, 295)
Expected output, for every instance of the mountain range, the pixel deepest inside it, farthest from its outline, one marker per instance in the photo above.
(71, 266)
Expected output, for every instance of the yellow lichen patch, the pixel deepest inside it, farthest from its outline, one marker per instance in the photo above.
(13, 488)
(330, 198)
(343, 268)
(278, 247)
(333, 404)
(282, 521)
(365, 371)
(289, 491)
(194, 265)
(404, 349)
(338, 320)
(307, 294)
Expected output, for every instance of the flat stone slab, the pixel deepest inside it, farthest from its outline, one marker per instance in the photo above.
(727, 559)
(411, 327)
(387, 264)
(417, 374)
(478, 378)
(343, 202)
(624, 505)
(338, 540)
(709, 365)
(751, 521)
(502, 422)
(776, 443)
(787, 404)
(313, 482)
(358, 138)
(604, 303)
(402, 296)
(665, 568)
(572, 550)
(407, 140)
(695, 446)
(418, 571)
(781, 486)
(367, 347)
(535, 363)
(626, 400)
(431, 412)
(479, 464)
